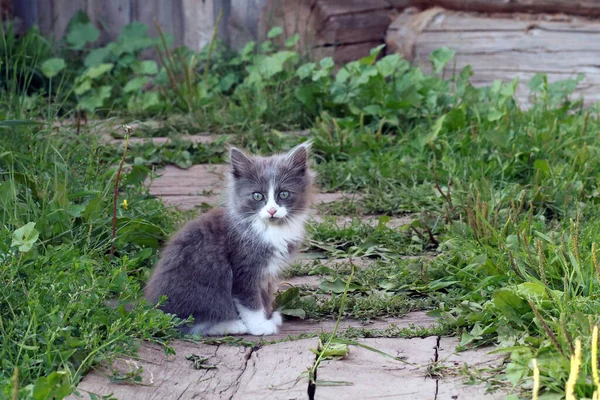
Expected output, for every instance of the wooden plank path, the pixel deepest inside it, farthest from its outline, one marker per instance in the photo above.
(276, 367)
(279, 371)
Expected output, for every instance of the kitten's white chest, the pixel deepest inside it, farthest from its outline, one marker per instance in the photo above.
(280, 237)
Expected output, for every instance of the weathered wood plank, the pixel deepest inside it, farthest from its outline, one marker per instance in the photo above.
(343, 29)
(374, 376)
(198, 22)
(172, 377)
(503, 47)
(63, 11)
(110, 17)
(242, 24)
(295, 327)
(277, 372)
(453, 385)
(587, 8)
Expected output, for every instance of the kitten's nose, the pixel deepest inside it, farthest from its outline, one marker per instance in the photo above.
(272, 211)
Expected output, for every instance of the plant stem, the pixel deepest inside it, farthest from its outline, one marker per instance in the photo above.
(116, 192)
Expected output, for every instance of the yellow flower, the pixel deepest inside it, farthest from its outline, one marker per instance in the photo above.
(536, 380)
(125, 205)
(575, 364)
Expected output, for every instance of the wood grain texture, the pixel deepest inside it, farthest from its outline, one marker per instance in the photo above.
(110, 17)
(586, 8)
(504, 47)
(171, 377)
(343, 29)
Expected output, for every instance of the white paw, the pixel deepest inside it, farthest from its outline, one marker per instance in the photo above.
(276, 318)
(268, 327)
(235, 327)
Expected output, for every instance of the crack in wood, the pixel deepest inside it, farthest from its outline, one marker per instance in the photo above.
(436, 356)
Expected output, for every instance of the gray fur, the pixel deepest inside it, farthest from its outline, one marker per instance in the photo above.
(219, 257)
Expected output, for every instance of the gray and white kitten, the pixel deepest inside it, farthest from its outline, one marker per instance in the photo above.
(222, 268)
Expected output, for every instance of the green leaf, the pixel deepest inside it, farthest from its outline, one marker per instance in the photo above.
(147, 67)
(370, 59)
(542, 166)
(287, 298)
(134, 37)
(96, 57)
(25, 237)
(494, 115)
(327, 63)
(83, 87)
(135, 84)
(338, 286)
(50, 68)
(94, 98)
(389, 64)
(306, 70)
(291, 41)
(294, 312)
(274, 32)
(82, 33)
(96, 72)
(510, 304)
(440, 58)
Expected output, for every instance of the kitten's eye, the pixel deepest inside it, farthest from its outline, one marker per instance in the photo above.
(257, 196)
(284, 195)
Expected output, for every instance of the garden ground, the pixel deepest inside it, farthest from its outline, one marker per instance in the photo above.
(460, 210)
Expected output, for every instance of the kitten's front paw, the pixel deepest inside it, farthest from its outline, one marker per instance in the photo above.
(276, 318)
(268, 327)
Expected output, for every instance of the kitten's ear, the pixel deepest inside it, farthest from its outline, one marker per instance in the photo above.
(298, 156)
(239, 162)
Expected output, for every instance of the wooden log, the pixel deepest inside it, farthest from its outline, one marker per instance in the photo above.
(504, 47)
(587, 8)
(343, 29)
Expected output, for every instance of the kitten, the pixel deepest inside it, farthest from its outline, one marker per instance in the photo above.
(222, 268)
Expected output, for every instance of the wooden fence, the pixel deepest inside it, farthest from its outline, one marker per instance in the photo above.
(191, 22)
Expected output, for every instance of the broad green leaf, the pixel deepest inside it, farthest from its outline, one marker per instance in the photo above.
(82, 33)
(510, 304)
(370, 59)
(389, 64)
(305, 70)
(83, 87)
(135, 84)
(51, 68)
(274, 32)
(97, 57)
(96, 72)
(327, 63)
(294, 312)
(542, 166)
(25, 237)
(134, 37)
(440, 58)
(291, 41)
(494, 114)
(288, 298)
(146, 67)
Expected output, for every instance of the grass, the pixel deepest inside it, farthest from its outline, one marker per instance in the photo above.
(506, 197)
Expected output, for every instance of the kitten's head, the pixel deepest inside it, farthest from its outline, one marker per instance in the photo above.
(274, 190)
